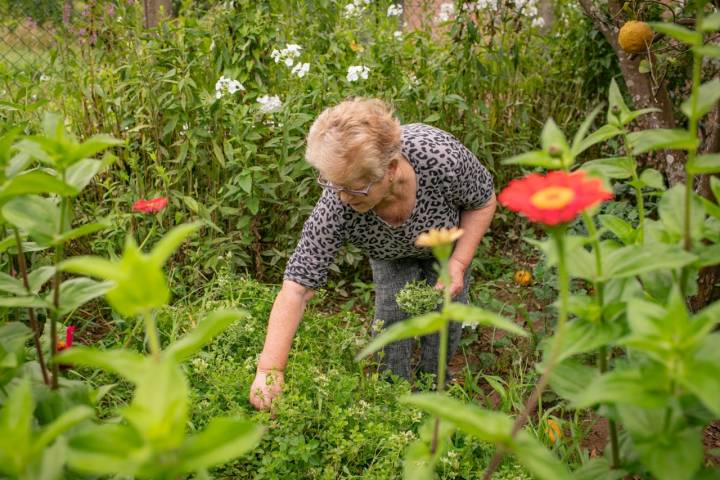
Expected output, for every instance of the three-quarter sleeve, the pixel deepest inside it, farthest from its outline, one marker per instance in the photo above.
(319, 243)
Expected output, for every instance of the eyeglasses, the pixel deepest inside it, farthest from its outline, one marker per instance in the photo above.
(337, 189)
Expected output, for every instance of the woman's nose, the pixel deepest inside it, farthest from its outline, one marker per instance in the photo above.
(345, 197)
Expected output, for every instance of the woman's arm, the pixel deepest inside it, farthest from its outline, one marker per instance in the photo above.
(285, 316)
(475, 223)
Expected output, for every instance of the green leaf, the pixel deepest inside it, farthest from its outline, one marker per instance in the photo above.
(39, 216)
(602, 134)
(78, 232)
(660, 139)
(64, 422)
(171, 241)
(637, 259)
(616, 103)
(108, 449)
(598, 469)
(77, 292)
(477, 316)
(198, 337)
(433, 117)
(615, 167)
(420, 461)
(708, 255)
(484, 424)
(92, 266)
(702, 380)
(630, 116)
(644, 66)
(583, 336)
(707, 97)
(81, 173)
(553, 139)
(223, 440)
(11, 285)
(15, 429)
(630, 386)
(90, 147)
(128, 364)
(218, 154)
(672, 213)
(710, 23)
(26, 302)
(537, 158)
(38, 277)
(652, 178)
(678, 32)
(704, 164)
(708, 50)
(13, 336)
(35, 182)
(412, 327)
(619, 227)
(569, 378)
(715, 187)
(537, 459)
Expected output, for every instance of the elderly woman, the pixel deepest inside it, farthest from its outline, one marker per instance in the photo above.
(384, 184)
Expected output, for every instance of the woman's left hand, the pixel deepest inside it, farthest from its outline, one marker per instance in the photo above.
(457, 276)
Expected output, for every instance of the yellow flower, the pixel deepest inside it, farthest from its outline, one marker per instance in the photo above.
(356, 47)
(523, 277)
(554, 432)
(438, 236)
(635, 37)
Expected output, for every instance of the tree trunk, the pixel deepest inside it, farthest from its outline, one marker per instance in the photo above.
(156, 10)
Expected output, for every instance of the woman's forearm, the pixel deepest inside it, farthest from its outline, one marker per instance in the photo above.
(475, 223)
(285, 316)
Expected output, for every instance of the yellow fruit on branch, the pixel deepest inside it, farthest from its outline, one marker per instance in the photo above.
(635, 37)
(523, 277)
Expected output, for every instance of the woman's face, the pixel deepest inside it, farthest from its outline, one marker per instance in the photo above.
(375, 193)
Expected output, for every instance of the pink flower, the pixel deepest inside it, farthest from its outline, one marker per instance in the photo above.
(150, 206)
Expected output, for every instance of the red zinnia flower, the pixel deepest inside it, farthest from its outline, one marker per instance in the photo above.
(150, 206)
(69, 334)
(557, 197)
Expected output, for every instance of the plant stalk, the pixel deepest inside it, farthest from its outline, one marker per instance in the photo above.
(152, 334)
(442, 357)
(55, 316)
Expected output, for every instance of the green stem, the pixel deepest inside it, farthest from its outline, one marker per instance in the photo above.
(55, 316)
(442, 357)
(152, 334)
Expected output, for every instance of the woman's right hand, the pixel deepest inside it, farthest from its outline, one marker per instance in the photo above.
(266, 386)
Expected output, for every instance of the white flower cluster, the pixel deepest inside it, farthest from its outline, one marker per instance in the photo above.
(395, 10)
(227, 85)
(269, 104)
(447, 11)
(287, 55)
(356, 7)
(356, 72)
(529, 8)
(491, 5)
(397, 34)
(300, 69)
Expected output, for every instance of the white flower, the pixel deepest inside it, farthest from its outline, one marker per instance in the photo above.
(356, 72)
(269, 104)
(487, 4)
(350, 10)
(538, 22)
(398, 35)
(212, 45)
(275, 55)
(44, 78)
(292, 50)
(289, 61)
(395, 10)
(447, 10)
(227, 85)
(287, 55)
(300, 69)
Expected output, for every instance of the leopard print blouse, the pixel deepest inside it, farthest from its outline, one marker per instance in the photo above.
(449, 179)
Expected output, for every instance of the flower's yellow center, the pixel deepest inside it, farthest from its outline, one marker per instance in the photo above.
(552, 198)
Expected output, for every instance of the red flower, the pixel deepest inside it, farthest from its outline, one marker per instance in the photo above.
(150, 206)
(557, 197)
(67, 343)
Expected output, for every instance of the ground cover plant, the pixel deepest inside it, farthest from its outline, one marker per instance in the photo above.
(145, 225)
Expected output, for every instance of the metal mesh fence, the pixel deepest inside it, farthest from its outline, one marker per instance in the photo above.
(27, 34)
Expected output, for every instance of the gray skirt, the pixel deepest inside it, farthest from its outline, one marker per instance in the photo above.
(390, 276)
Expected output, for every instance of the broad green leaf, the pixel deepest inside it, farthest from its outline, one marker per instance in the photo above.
(6, 143)
(715, 187)
(619, 227)
(35, 182)
(537, 158)
(708, 95)
(223, 440)
(631, 386)
(710, 23)
(108, 449)
(93, 266)
(81, 173)
(637, 259)
(672, 213)
(77, 292)
(171, 241)
(51, 465)
(598, 469)
(484, 424)
(630, 116)
(13, 336)
(582, 336)
(678, 32)
(64, 422)
(555, 144)
(412, 327)
(89, 148)
(38, 277)
(708, 50)
(616, 105)
(26, 302)
(477, 316)
(708, 255)
(584, 127)
(198, 337)
(39, 216)
(11, 285)
(53, 126)
(537, 459)
(78, 232)
(652, 178)
(705, 164)
(701, 379)
(128, 364)
(569, 378)
(660, 139)
(602, 134)
(615, 167)
(420, 462)
(15, 429)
